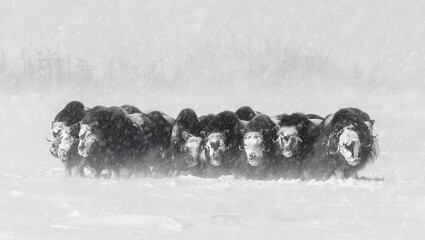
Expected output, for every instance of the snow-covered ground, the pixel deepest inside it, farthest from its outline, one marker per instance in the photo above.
(38, 202)
(323, 56)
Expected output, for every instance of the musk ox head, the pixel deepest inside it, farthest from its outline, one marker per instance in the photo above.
(354, 142)
(191, 148)
(254, 147)
(88, 137)
(55, 141)
(68, 141)
(215, 147)
(288, 140)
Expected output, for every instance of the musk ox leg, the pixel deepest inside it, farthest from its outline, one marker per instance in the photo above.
(339, 174)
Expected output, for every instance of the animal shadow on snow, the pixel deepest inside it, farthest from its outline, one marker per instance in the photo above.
(368, 179)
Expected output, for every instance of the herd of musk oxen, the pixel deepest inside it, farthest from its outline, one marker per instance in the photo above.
(124, 141)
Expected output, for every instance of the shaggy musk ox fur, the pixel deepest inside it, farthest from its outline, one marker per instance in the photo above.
(246, 113)
(345, 145)
(204, 121)
(296, 135)
(258, 147)
(111, 140)
(161, 128)
(68, 147)
(72, 113)
(222, 140)
(68, 151)
(186, 142)
(130, 109)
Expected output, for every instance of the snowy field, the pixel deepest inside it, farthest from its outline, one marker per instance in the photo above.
(38, 202)
(383, 40)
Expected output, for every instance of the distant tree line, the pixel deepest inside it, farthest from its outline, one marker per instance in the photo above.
(43, 69)
(236, 61)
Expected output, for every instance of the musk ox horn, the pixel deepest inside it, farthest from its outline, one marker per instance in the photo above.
(334, 152)
(241, 148)
(367, 145)
(49, 140)
(277, 139)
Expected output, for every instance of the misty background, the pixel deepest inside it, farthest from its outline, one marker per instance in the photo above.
(277, 56)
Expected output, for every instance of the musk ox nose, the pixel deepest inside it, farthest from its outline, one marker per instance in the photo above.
(290, 142)
(62, 153)
(80, 148)
(215, 145)
(350, 146)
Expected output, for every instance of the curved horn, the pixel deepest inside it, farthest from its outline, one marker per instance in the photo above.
(298, 139)
(277, 140)
(241, 148)
(367, 145)
(49, 140)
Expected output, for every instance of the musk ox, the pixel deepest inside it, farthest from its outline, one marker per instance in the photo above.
(296, 135)
(258, 147)
(186, 142)
(68, 151)
(68, 148)
(246, 113)
(161, 127)
(162, 130)
(222, 140)
(346, 144)
(110, 140)
(72, 113)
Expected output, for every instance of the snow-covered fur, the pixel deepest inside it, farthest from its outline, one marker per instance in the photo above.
(222, 140)
(72, 113)
(68, 151)
(258, 147)
(186, 142)
(346, 145)
(68, 147)
(113, 141)
(296, 135)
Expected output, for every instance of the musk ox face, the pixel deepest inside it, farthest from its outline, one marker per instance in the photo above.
(254, 147)
(68, 141)
(349, 145)
(215, 147)
(88, 137)
(353, 144)
(56, 132)
(288, 141)
(191, 148)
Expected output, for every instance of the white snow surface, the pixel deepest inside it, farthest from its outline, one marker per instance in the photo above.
(38, 201)
(362, 54)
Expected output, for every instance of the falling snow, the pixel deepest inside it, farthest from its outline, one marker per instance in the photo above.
(276, 56)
